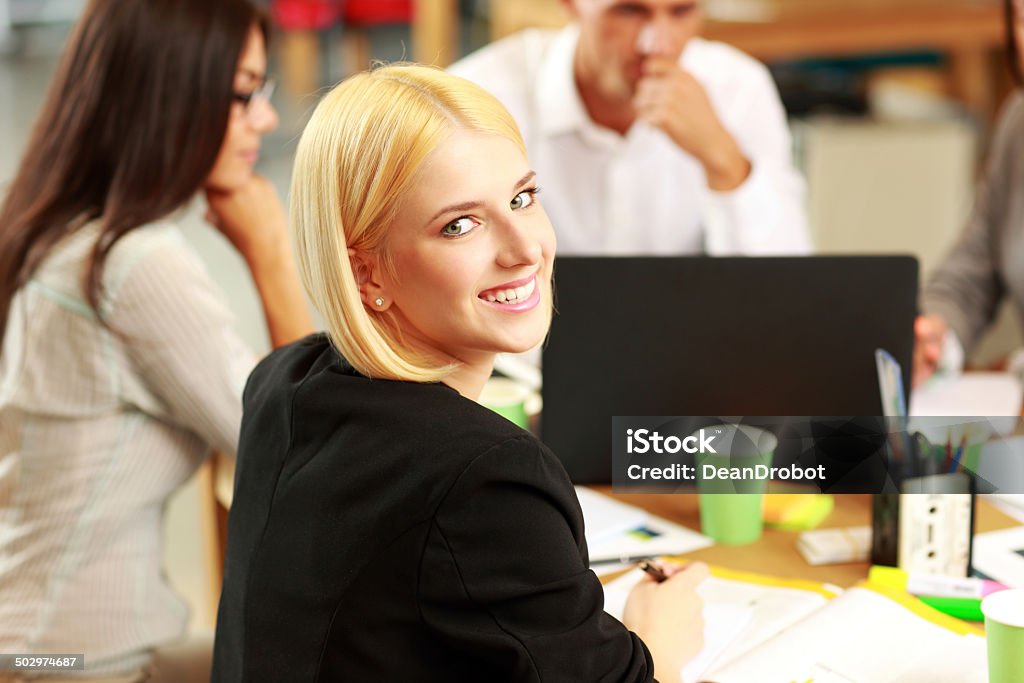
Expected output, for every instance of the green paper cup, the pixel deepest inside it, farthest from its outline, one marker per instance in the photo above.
(1004, 629)
(507, 398)
(731, 518)
(731, 509)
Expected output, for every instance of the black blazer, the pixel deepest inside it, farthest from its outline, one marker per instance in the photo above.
(393, 531)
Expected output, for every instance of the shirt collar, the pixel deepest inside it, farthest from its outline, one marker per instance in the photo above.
(558, 104)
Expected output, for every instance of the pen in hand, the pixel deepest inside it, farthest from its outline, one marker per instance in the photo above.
(656, 573)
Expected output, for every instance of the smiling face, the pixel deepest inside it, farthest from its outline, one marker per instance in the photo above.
(617, 35)
(247, 123)
(472, 253)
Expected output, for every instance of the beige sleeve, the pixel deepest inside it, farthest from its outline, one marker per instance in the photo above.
(968, 287)
(184, 360)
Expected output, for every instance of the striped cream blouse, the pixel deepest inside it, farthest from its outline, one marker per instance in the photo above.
(98, 427)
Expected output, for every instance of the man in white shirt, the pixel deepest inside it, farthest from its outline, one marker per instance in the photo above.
(646, 138)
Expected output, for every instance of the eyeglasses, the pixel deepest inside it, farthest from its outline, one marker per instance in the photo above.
(260, 94)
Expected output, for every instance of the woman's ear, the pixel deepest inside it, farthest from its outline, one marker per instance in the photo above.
(366, 270)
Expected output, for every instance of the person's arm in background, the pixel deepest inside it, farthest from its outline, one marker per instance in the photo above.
(936, 348)
(757, 195)
(964, 293)
(254, 221)
(186, 363)
(672, 100)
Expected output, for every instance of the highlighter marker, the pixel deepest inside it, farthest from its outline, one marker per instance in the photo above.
(951, 587)
(961, 608)
(935, 585)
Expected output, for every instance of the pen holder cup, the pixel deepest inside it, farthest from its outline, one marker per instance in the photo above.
(731, 483)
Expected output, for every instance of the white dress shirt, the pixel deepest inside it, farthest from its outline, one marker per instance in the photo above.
(640, 193)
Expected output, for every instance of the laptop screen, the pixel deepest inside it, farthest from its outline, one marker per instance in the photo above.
(702, 336)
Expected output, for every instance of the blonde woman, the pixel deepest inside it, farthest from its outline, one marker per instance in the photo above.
(386, 527)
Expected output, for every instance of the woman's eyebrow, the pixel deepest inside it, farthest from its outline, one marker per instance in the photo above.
(464, 206)
(526, 178)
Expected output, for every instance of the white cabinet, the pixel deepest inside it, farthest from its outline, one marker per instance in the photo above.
(887, 187)
(895, 187)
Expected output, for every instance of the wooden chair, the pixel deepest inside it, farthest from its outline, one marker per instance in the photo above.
(215, 479)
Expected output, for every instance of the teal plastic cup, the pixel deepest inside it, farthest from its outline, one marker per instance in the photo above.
(1004, 630)
(507, 398)
(731, 509)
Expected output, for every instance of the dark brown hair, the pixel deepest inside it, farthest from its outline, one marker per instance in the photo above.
(131, 127)
(1012, 48)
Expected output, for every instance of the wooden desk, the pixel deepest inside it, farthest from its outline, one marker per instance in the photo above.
(776, 552)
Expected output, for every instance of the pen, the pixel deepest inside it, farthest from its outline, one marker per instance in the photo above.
(957, 456)
(625, 559)
(922, 455)
(653, 570)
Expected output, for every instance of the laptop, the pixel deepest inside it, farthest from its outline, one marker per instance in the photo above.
(703, 336)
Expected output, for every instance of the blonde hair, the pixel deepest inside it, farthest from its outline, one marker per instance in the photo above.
(357, 157)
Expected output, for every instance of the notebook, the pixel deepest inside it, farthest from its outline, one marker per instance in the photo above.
(621, 533)
(804, 631)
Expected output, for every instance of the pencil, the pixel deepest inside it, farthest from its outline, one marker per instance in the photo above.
(656, 573)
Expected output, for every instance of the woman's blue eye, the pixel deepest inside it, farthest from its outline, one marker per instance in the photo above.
(523, 199)
(458, 227)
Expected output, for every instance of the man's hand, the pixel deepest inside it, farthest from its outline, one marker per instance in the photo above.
(672, 100)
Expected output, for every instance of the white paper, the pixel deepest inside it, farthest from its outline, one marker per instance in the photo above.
(616, 530)
(862, 637)
(981, 394)
(723, 623)
(999, 555)
(1011, 504)
(738, 616)
(606, 518)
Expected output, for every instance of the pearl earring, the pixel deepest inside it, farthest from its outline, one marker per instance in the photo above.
(379, 301)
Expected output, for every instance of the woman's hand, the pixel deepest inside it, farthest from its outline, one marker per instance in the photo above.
(929, 337)
(668, 617)
(252, 218)
(254, 221)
